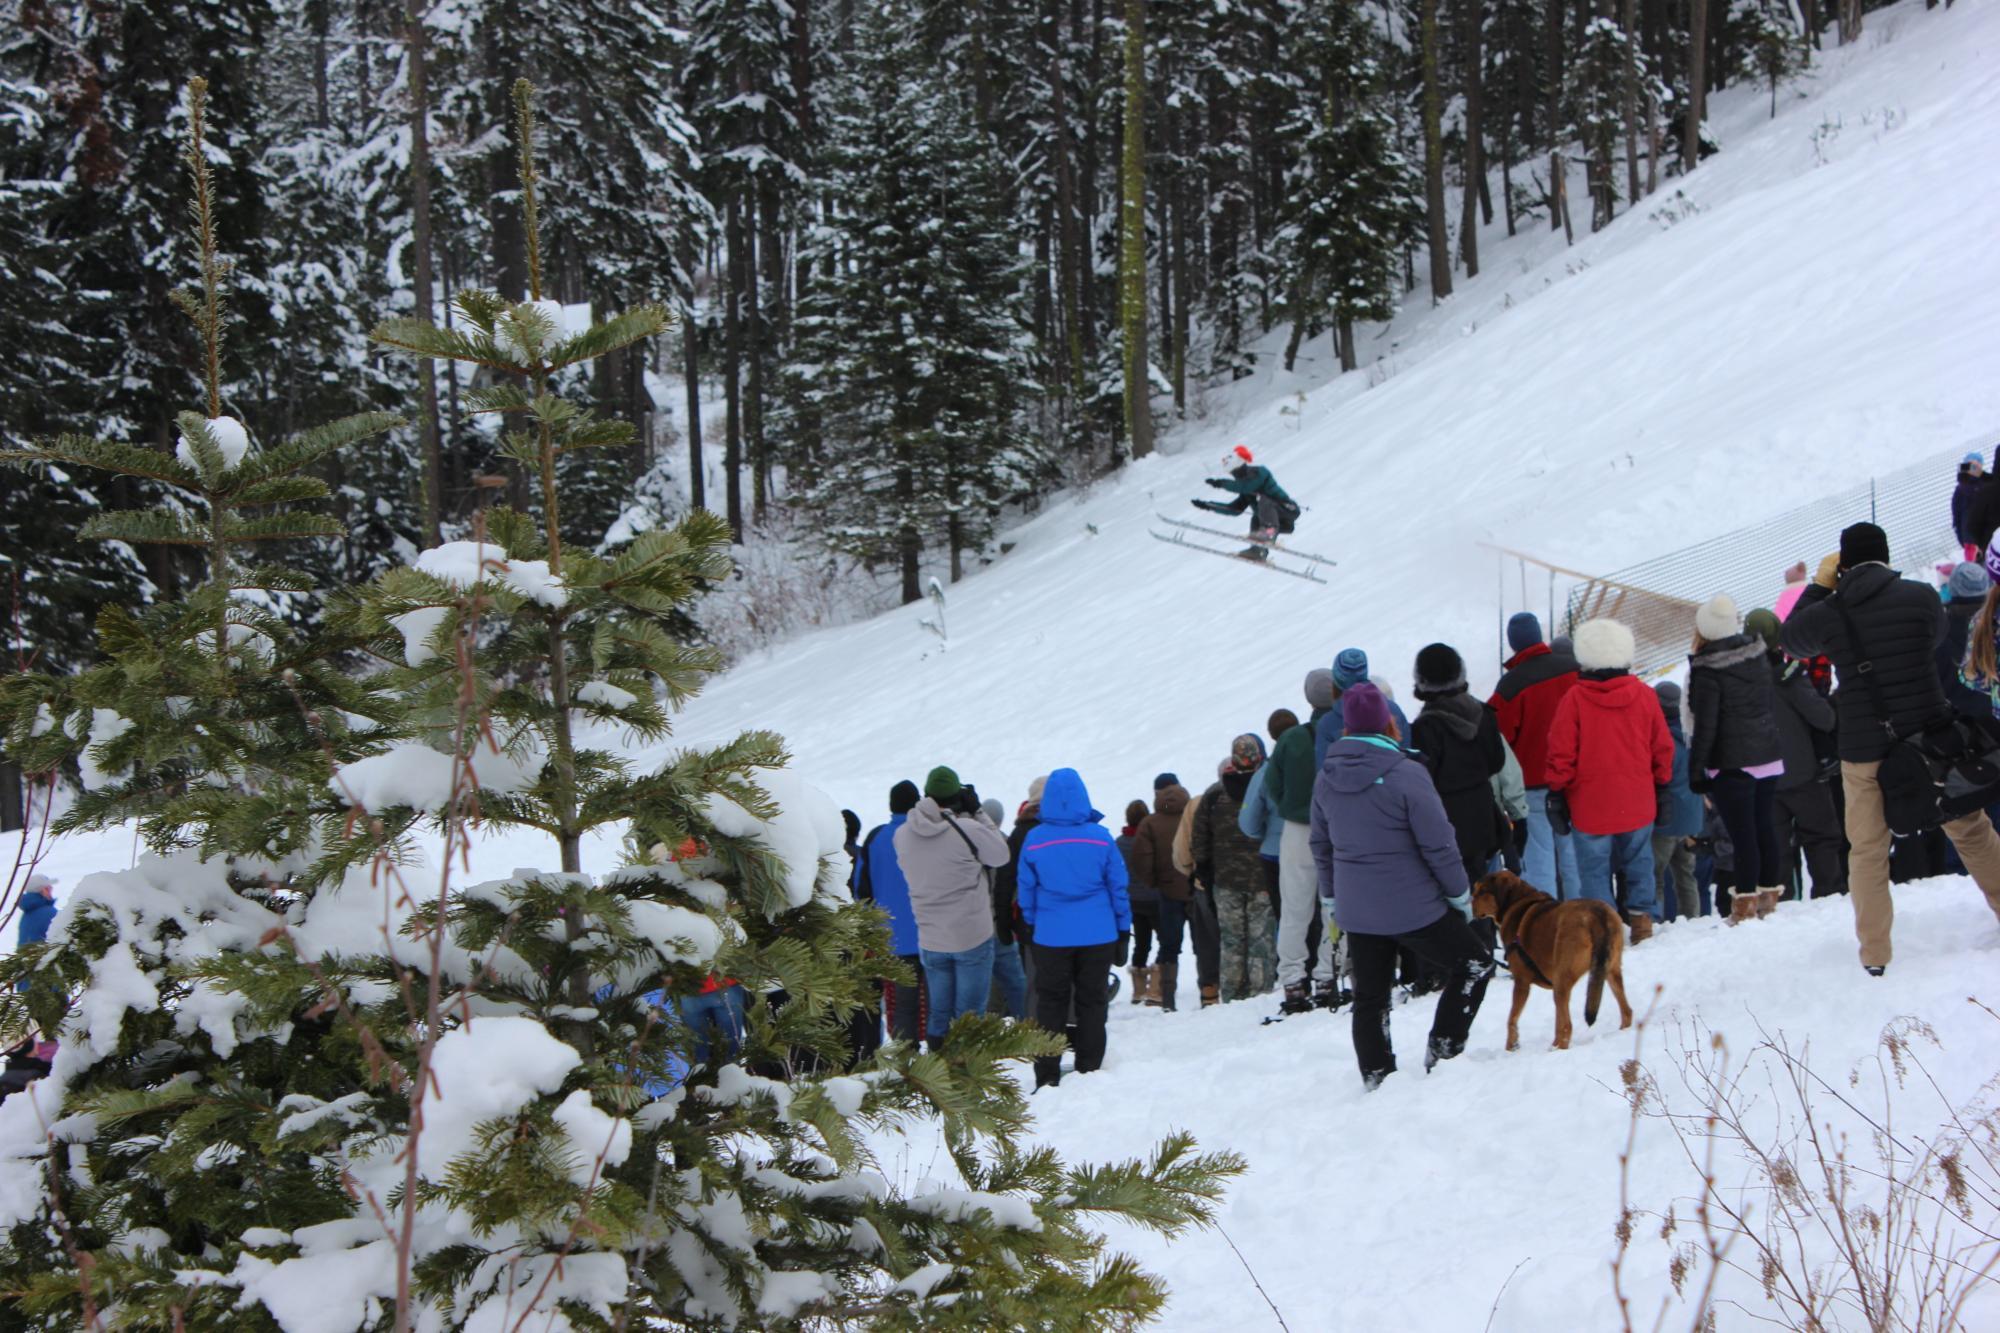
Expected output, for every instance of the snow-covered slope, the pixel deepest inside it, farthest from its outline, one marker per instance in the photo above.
(1820, 311)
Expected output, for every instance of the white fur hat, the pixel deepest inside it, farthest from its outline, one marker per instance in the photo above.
(1717, 618)
(1603, 645)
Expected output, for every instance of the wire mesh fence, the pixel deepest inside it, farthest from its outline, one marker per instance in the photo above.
(1658, 597)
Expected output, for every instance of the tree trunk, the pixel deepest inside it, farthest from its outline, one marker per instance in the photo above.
(1343, 342)
(1630, 20)
(1472, 20)
(1183, 291)
(420, 241)
(1434, 205)
(909, 544)
(1697, 85)
(1507, 169)
(691, 368)
(732, 366)
(753, 362)
(1132, 237)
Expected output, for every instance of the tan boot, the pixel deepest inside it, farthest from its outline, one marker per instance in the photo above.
(1138, 975)
(1767, 901)
(1741, 908)
(1641, 924)
(1153, 985)
(1210, 995)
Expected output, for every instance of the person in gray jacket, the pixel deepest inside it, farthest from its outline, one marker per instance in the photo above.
(947, 850)
(1388, 861)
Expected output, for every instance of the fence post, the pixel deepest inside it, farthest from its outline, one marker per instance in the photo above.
(1871, 501)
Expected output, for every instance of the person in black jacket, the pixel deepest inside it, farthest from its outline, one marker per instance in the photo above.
(1458, 740)
(1734, 755)
(1898, 622)
(1971, 477)
(1808, 820)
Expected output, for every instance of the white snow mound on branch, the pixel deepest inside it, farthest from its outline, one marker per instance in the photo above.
(598, 1140)
(416, 776)
(491, 1067)
(416, 627)
(807, 833)
(229, 437)
(679, 933)
(468, 564)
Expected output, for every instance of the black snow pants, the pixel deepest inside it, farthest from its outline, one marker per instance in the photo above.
(1447, 944)
(1078, 975)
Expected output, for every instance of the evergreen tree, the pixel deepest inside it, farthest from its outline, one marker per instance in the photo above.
(914, 363)
(1770, 45)
(1355, 203)
(1595, 98)
(281, 1060)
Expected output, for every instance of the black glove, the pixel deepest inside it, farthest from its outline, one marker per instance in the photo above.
(1558, 812)
(1204, 874)
(1216, 482)
(1124, 948)
(968, 799)
(1699, 782)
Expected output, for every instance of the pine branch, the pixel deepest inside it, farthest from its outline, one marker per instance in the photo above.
(124, 459)
(608, 335)
(310, 446)
(278, 527)
(163, 526)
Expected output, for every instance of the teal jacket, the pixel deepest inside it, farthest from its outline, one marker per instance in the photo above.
(1289, 773)
(1258, 481)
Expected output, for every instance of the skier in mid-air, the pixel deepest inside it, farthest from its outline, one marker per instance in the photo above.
(1272, 512)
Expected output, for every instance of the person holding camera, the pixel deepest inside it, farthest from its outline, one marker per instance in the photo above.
(1882, 631)
(948, 850)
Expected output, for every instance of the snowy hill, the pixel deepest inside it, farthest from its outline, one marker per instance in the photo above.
(1818, 313)
(1814, 305)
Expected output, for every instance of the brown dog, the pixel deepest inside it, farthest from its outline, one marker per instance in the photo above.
(1553, 945)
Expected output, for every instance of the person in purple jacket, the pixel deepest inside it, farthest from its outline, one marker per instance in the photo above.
(1071, 891)
(1388, 861)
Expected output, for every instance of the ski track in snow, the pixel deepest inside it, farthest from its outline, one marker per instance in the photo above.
(1804, 326)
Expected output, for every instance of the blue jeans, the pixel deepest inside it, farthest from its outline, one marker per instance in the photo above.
(1171, 925)
(1012, 979)
(1601, 855)
(1545, 851)
(959, 983)
(718, 1017)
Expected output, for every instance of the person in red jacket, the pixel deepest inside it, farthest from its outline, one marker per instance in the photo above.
(1524, 703)
(1609, 753)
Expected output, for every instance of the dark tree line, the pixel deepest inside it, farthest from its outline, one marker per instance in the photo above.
(929, 257)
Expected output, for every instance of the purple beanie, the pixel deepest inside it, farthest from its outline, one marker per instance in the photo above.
(1364, 712)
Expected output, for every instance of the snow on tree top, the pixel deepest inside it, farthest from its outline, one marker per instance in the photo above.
(229, 437)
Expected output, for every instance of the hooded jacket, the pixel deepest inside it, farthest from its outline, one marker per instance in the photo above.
(1071, 876)
(1951, 652)
(1900, 622)
(1804, 715)
(1153, 850)
(1385, 850)
(1223, 855)
(33, 916)
(1609, 749)
(950, 891)
(1259, 818)
(1289, 773)
(1458, 742)
(1962, 497)
(1730, 696)
(882, 883)
(1524, 704)
(1678, 813)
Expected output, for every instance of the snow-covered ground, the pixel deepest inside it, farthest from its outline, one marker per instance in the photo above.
(1813, 306)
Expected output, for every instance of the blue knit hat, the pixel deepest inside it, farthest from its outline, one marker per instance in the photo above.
(1968, 582)
(1524, 631)
(1350, 668)
(1164, 780)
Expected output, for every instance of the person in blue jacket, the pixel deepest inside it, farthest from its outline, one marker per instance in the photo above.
(33, 914)
(881, 882)
(1350, 668)
(1272, 512)
(1071, 894)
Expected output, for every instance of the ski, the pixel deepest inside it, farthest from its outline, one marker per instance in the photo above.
(1236, 536)
(1177, 540)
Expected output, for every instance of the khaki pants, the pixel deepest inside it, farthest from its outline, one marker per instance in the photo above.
(1868, 861)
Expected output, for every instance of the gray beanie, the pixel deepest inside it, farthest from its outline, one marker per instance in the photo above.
(1670, 695)
(1968, 582)
(1319, 688)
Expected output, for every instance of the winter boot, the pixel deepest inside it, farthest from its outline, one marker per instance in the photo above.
(1441, 1048)
(1742, 907)
(1642, 926)
(1767, 901)
(1139, 976)
(1153, 984)
(1254, 553)
(1330, 994)
(1298, 999)
(1165, 977)
(1210, 995)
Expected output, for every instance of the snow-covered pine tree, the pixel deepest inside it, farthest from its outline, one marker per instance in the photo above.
(913, 367)
(1594, 96)
(1769, 42)
(1354, 199)
(296, 1096)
